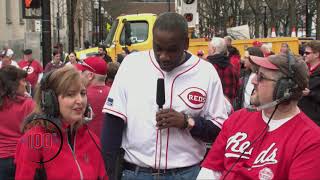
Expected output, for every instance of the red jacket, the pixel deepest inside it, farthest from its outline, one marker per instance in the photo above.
(11, 118)
(83, 162)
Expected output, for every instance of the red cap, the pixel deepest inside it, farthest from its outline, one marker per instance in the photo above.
(200, 53)
(263, 62)
(93, 64)
(257, 43)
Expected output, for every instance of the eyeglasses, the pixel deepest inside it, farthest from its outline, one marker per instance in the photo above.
(261, 77)
(307, 53)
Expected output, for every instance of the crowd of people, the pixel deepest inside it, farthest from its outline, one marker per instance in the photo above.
(163, 113)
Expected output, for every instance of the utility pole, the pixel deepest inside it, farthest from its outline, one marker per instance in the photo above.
(168, 5)
(46, 32)
(70, 15)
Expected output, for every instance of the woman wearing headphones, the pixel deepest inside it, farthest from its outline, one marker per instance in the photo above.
(57, 143)
(14, 107)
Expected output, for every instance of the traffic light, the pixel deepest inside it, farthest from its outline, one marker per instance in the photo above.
(188, 9)
(32, 4)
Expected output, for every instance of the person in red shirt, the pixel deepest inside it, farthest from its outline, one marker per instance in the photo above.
(94, 70)
(14, 107)
(217, 50)
(62, 99)
(277, 140)
(32, 67)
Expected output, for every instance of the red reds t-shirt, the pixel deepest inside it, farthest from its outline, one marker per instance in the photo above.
(33, 70)
(12, 115)
(291, 151)
(97, 96)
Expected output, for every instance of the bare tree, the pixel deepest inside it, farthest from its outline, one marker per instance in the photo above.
(318, 21)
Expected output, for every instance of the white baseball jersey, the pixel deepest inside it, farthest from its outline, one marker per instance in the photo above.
(193, 88)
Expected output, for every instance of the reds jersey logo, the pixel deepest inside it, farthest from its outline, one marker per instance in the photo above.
(193, 97)
(239, 146)
(30, 69)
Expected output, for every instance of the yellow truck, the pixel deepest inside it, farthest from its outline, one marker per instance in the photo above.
(135, 32)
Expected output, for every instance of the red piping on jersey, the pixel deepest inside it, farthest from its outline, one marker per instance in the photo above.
(171, 105)
(156, 65)
(118, 113)
(217, 123)
(155, 157)
(158, 131)
(160, 147)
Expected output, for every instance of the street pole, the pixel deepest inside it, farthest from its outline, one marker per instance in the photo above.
(96, 7)
(46, 32)
(97, 28)
(168, 5)
(265, 22)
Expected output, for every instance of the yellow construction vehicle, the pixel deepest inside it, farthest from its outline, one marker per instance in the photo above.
(135, 33)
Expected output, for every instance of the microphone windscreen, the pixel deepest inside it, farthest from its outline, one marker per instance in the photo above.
(160, 92)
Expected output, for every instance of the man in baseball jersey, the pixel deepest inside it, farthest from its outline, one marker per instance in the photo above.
(32, 67)
(166, 143)
(277, 142)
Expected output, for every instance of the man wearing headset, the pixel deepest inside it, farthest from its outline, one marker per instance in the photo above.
(277, 141)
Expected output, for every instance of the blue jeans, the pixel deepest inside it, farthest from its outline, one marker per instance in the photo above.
(7, 169)
(185, 174)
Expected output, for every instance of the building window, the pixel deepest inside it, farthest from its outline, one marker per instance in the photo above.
(8, 12)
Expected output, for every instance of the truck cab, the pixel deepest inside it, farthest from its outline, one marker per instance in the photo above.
(131, 31)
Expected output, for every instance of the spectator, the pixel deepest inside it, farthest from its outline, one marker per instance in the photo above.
(7, 58)
(284, 48)
(55, 63)
(200, 54)
(266, 50)
(234, 56)
(59, 48)
(221, 62)
(102, 52)
(14, 107)
(94, 70)
(32, 67)
(112, 71)
(62, 98)
(246, 87)
(275, 142)
(310, 104)
(72, 59)
(228, 40)
(256, 43)
(134, 121)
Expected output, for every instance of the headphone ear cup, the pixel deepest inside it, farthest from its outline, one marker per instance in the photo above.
(282, 89)
(279, 89)
(49, 103)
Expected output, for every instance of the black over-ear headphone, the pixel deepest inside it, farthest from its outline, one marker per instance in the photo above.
(285, 86)
(49, 101)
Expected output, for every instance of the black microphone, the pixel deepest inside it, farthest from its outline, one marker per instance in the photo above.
(268, 105)
(160, 93)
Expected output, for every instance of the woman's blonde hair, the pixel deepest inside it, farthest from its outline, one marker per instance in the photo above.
(59, 81)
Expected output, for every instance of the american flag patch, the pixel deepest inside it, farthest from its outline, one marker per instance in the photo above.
(109, 101)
